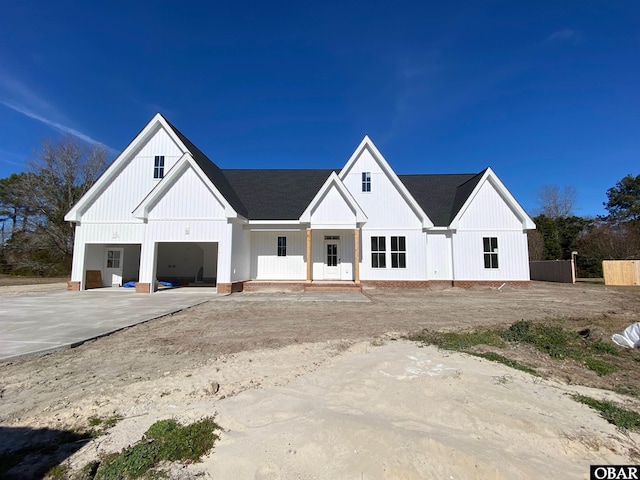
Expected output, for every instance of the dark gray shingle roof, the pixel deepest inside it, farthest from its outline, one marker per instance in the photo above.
(441, 195)
(214, 173)
(285, 194)
(276, 194)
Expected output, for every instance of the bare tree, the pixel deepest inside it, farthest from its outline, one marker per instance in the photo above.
(555, 202)
(62, 172)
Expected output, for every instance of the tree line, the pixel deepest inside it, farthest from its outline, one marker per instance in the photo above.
(615, 236)
(35, 239)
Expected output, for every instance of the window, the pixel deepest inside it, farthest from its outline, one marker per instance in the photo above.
(158, 167)
(378, 248)
(490, 245)
(332, 255)
(398, 252)
(113, 258)
(366, 181)
(282, 246)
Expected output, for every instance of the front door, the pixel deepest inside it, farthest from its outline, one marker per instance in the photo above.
(332, 261)
(113, 267)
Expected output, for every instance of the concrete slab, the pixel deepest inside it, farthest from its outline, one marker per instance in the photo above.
(48, 321)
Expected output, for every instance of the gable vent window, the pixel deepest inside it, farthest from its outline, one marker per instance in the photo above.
(490, 245)
(378, 255)
(366, 181)
(282, 246)
(398, 252)
(158, 167)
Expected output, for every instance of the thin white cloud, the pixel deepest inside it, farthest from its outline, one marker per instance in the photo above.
(51, 123)
(567, 35)
(11, 88)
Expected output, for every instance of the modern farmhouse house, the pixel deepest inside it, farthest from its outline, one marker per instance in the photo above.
(164, 212)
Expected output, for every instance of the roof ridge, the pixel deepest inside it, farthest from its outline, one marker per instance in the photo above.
(213, 172)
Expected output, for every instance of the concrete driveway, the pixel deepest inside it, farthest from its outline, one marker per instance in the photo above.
(48, 321)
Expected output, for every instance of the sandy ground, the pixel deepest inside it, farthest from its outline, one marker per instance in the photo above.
(329, 390)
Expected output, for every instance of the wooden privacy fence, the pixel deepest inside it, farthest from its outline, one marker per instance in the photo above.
(621, 272)
(552, 271)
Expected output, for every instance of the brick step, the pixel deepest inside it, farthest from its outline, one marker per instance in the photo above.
(332, 287)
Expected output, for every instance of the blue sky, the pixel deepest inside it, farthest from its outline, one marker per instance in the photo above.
(543, 92)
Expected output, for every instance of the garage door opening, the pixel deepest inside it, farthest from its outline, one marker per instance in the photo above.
(187, 264)
(111, 265)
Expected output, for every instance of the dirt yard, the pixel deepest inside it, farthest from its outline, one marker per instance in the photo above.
(218, 350)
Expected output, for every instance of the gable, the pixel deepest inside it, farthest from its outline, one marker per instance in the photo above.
(388, 204)
(488, 210)
(333, 206)
(131, 179)
(187, 198)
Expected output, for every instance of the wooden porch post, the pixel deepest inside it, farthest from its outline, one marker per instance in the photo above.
(356, 237)
(309, 259)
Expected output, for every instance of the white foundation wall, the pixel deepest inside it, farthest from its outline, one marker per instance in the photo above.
(416, 255)
(383, 206)
(123, 194)
(439, 259)
(265, 263)
(468, 256)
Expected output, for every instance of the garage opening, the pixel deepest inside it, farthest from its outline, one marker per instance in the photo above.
(111, 265)
(187, 263)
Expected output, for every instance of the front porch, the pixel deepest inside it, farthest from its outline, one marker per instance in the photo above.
(288, 286)
(335, 257)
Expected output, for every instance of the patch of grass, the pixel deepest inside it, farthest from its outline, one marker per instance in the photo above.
(551, 339)
(99, 426)
(632, 392)
(560, 343)
(494, 357)
(59, 472)
(600, 366)
(603, 347)
(165, 440)
(459, 341)
(619, 416)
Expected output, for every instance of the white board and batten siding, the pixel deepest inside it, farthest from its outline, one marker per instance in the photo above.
(415, 254)
(439, 260)
(489, 211)
(240, 242)
(188, 198)
(468, 256)
(490, 216)
(333, 210)
(384, 206)
(267, 265)
(130, 186)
